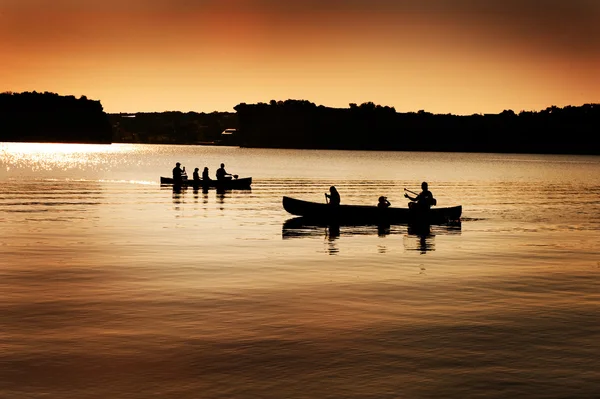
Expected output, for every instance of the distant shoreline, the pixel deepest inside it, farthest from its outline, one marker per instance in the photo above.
(304, 125)
(300, 124)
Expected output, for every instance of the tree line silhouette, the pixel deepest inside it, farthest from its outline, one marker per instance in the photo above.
(172, 127)
(49, 117)
(302, 124)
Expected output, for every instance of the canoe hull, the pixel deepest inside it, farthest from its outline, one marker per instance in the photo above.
(365, 214)
(232, 184)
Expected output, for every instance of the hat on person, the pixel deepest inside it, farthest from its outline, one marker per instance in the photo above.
(177, 164)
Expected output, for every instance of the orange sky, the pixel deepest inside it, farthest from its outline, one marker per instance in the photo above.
(443, 56)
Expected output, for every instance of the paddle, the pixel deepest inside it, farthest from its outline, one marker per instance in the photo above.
(412, 192)
(326, 199)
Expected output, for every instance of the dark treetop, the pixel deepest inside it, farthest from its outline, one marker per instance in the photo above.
(302, 124)
(49, 117)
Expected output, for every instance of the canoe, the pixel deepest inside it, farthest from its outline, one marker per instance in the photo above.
(367, 214)
(229, 184)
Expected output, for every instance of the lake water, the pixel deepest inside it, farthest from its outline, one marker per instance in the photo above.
(112, 286)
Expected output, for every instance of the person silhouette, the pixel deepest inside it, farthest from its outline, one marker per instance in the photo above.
(222, 173)
(184, 175)
(196, 175)
(333, 196)
(177, 172)
(423, 200)
(383, 202)
(205, 175)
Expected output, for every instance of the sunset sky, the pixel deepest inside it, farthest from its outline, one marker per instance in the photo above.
(443, 56)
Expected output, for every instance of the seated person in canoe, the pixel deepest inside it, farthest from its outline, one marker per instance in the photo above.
(383, 202)
(205, 175)
(333, 198)
(423, 200)
(177, 173)
(223, 175)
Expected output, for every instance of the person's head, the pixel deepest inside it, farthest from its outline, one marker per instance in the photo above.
(195, 170)
(424, 185)
(177, 164)
(206, 168)
(382, 199)
(332, 189)
(222, 165)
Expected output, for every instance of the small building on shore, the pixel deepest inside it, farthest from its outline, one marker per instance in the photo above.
(229, 137)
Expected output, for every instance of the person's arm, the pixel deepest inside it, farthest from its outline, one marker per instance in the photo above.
(432, 200)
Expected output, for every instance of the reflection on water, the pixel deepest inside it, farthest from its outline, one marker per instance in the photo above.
(177, 195)
(422, 237)
(332, 233)
(425, 239)
(221, 196)
(417, 237)
(108, 292)
(383, 230)
(181, 193)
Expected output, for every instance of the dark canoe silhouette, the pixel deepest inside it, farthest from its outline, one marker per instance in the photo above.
(367, 214)
(227, 184)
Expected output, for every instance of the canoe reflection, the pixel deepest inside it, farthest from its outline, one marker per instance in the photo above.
(181, 197)
(417, 237)
(420, 238)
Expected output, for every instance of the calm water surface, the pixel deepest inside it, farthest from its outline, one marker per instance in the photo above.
(113, 286)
